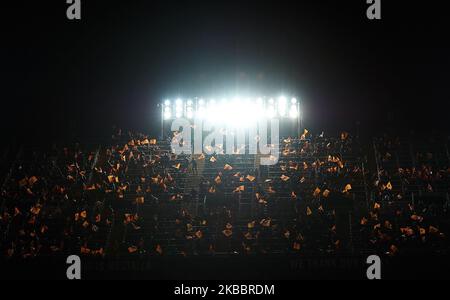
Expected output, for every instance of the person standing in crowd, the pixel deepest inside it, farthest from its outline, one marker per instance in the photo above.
(194, 166)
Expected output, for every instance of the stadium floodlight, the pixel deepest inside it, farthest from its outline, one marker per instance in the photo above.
(271, 112)
(232, 112)
(282, 106)
(293, 113)
(212, 103)
(224, 102)
(237, 111)
(167, 115)
(201, 113)
(189, 109)
(189, 112)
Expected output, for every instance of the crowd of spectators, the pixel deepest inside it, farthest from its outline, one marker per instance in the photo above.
(134, 197)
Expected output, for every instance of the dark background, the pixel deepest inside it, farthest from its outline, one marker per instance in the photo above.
(74, 79)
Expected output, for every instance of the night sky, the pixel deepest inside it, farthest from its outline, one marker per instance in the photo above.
(77, 78)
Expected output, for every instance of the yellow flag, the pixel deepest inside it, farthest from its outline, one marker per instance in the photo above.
(239, 189)
(33, 180)
(303, 136)
(111, 178)
(140, 200)
(251, 225)
(228, 167)
(347, 188)
(251, 178)
(285, 178)
(266, 222)
(35, 210)
(227, 233)
(433, 229)
(389, 186)
(317, 192)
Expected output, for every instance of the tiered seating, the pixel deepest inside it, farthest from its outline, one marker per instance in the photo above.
(46, 210)
(242, 166)
(412, 167)
(135, 198)
(432, 162)
(150, 210)
(393, 155)
(397, 222)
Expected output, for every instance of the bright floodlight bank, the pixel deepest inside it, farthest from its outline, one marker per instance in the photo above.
(238, 112)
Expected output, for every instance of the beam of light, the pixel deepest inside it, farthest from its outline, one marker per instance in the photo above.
(282, 106)
(293, 113)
